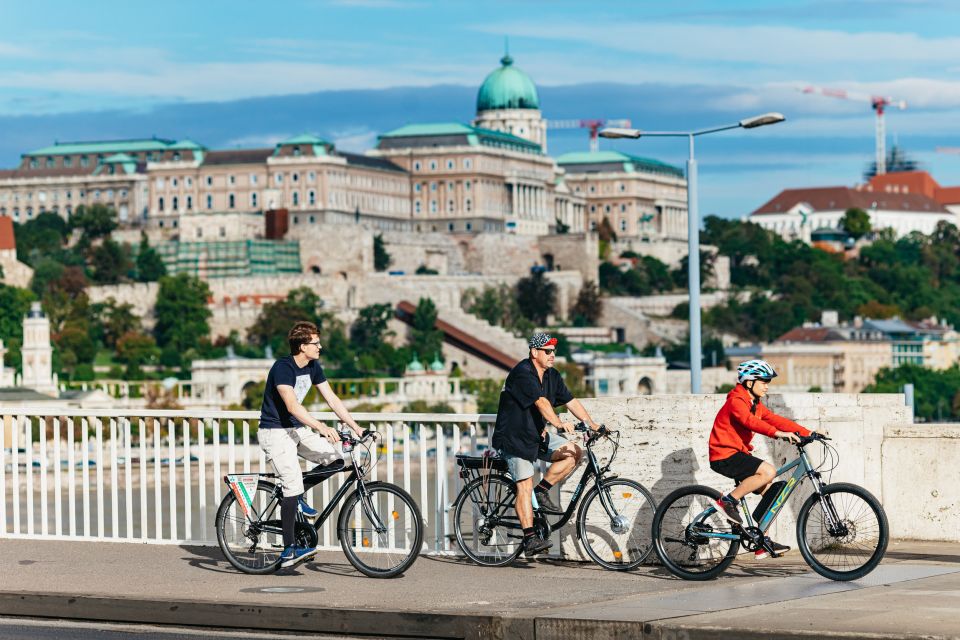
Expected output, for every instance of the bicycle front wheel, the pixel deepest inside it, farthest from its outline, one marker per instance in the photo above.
(842, 534)
(614, 524)
(255, 547)
(687, 532)
(381, 531)
(485, 522)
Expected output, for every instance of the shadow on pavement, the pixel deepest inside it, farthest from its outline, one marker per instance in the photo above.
(930, 557)
(208, 558)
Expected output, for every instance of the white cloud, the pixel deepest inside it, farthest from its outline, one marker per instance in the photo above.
(260, 140)
(755, 44)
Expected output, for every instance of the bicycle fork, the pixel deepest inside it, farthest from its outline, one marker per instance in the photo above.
(835, 525)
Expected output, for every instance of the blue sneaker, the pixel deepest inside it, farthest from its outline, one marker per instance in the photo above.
(294, 555)
(307, 510)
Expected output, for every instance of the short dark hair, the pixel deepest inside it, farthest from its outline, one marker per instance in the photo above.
(300, 334)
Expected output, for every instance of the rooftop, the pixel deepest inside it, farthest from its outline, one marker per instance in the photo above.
(453, 134)
(507, 88)
(111, 146)
(601, 161)
(842, 198)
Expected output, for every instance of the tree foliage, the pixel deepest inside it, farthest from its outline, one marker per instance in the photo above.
(788, 283)
(182, 316)
(856, 222)
(425, 340)
(381, 258)
(936, 393)
(536, 298)
(150, 267)
(588, 308)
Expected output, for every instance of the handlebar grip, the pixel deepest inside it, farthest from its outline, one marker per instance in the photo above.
(581, 426)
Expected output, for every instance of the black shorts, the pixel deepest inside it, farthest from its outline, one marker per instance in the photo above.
(739, 466)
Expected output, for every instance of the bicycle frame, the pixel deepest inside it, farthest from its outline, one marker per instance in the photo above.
(593, 470)
(802, 469)
(355, 477)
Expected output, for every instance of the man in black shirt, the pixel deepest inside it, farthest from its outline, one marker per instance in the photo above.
(532, 389)
(287, 430)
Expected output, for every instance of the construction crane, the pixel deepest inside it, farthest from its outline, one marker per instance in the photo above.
(879, 105)
(593, 125)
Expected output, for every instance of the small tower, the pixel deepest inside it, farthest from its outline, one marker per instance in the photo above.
(37, 353)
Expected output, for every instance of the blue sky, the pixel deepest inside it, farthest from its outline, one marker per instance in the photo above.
(689, 65)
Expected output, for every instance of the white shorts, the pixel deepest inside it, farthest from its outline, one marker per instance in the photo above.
(282, 448)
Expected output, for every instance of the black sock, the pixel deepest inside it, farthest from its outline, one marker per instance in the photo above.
(527, 532)
(544, 485)
(288, 518)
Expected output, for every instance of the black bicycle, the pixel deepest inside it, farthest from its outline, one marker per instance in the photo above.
(380, 527)
(842, 528)
(613, 523)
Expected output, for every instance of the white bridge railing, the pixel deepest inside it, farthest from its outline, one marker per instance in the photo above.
(157, 476)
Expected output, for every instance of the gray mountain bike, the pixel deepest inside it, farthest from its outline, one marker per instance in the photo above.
(842, 528)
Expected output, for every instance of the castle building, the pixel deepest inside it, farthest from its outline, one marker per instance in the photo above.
(491, 175)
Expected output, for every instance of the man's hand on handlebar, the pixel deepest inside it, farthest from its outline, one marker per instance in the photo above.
(331, 434)
(567, 427)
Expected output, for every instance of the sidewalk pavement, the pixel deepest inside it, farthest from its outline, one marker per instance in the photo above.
(915, 593)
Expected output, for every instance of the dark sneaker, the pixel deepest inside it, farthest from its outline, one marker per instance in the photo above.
(306, 509)
(729, 509)
(545, 502)
(534, 545)
(295, 555)
(778, 550)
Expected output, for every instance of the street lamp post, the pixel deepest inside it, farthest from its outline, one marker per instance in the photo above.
(693, 221)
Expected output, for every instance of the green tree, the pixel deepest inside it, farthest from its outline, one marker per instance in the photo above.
(74, 345)
(424, 270)
(41, 237)
(95, 221)
(381, 259)
(276, 318)
(110, 262)
(182, 316)
(45, 271)
(14, 304)
(856, 222)
(369, 329)
(425, 339)
(536, 297)
(134, 349)
(150, 267)
(588, 308)
(116, 320)
(934, 391)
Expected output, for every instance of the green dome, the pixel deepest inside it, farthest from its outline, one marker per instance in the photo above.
(415, 366)
(437, 365)
(507, 88)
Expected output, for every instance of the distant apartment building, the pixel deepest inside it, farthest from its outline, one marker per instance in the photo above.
(844, 358)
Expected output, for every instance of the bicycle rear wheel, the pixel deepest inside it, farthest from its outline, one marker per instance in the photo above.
(680, 534)
(381, 532)
(485, 522)
(614, 524)
(255, 547)
(844, 535)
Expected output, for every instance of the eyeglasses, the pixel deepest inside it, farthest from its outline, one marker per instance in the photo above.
(548, 351)
(315, 344)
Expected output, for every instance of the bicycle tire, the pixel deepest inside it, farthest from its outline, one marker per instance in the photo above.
(232, 528)
(397, 547)
(476, 545)
(673, 538)
(636, 505)
(857, 522)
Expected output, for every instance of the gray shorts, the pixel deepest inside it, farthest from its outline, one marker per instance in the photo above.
(521, 469)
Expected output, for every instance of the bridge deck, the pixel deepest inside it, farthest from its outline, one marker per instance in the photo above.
(915, 593)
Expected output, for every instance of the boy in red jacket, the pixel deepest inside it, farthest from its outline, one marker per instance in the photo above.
(742, 415)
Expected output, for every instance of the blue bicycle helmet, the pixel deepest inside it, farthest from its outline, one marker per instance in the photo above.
(755, 370)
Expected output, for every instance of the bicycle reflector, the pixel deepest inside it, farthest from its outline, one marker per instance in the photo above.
(243, 487)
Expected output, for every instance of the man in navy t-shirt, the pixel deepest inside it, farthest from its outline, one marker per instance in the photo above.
(532, 389)
(288, 431)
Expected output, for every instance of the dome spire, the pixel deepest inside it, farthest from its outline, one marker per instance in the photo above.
(506, 60)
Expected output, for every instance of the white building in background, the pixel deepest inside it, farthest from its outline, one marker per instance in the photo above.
(37, 353)
(796, 213)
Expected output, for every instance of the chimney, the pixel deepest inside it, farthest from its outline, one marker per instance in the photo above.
(829, 318)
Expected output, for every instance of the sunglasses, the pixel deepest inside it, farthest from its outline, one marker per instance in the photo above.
(547, 351)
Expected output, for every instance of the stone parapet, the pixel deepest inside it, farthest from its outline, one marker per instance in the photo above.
(909, 468)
